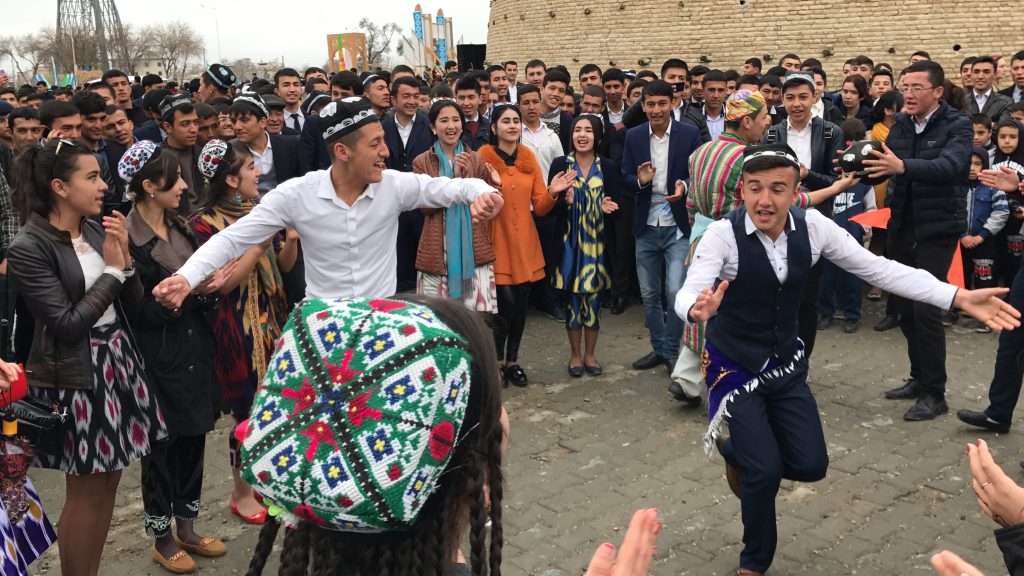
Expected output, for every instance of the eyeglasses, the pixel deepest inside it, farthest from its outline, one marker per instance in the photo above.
(915, 90)
(56, 155)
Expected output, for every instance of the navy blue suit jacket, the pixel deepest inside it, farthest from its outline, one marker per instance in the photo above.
(483, 135)
(683, 140)
(313, 152)
(421, 139)
(149, 131)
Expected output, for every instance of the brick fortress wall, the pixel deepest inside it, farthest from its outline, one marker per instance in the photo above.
(724, 33)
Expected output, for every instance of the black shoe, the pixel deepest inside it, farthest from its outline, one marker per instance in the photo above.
(554, 313)
(909, 391)
(594, 370)
(647, 362)
(678, 393)
(927, 408)
(516, 376)
(504, 375)
(981, 420)
(825, 322)
(576, 371)
(887, 323)
(618, 306)
(851, 326)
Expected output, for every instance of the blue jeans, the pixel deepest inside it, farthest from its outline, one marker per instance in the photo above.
(839, 289)
(659, 265)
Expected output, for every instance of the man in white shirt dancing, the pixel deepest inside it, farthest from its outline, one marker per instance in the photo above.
(753, 360)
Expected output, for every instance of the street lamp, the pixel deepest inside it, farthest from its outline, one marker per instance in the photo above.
(216, 23)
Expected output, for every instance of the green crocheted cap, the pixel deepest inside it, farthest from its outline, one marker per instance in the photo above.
(358, 414)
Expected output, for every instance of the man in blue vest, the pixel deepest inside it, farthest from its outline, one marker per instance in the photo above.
(745, 281)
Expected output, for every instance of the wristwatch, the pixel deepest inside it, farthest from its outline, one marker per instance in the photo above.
(129, 272)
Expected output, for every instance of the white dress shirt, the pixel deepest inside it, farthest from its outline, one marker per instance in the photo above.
(1017, 94)
(405, 131)
(715, 125)
(920, 126)
(544, 144)
(800, 142)
(616, 117)
(291, 117)
(349, 251)
(982, 99)
(265, 161)
(660, 213)
(717, 257)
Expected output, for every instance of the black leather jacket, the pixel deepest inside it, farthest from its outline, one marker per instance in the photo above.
(43, 264)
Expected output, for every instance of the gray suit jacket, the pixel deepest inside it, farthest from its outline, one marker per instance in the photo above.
(997, 107)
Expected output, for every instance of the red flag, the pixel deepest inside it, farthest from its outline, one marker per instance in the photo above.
(880, 219)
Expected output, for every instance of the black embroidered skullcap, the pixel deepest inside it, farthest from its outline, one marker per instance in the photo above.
(345, 116)
(222, 76)
(781, 153)
(172, 103)
(250, 103)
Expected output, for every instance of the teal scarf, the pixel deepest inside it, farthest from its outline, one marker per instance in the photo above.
(458, 231)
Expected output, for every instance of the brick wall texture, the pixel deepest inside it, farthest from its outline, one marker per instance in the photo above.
(727, 32)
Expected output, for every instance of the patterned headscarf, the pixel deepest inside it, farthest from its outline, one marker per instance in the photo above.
(743, 103)
(358, 414)
(134, 159)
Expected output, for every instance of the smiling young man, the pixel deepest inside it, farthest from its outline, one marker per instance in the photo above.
(499, 81)
(288, 85)
(745, 281)
(346, 215)
(477, 129)
(983, 98)
(93, 111)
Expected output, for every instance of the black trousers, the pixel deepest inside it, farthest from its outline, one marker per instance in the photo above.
(410, 226)
(510, 322)
(624, 257)
(808, 318)
(979, 265)
(544, 295)
(922, 323)
(1004, 391)
(172, 481)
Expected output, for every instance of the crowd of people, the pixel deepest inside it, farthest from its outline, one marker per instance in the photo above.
(345, 265)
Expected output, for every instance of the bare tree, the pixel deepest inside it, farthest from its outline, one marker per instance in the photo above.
(30, 52)
(137, 46)
(378, 41)
(173, 44)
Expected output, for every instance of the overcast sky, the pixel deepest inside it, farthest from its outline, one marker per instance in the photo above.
(298, 34)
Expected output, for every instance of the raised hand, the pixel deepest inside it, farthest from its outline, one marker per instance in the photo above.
(561, 182)
(493, 177)
(462, 164)
(1004, 178)
(486, 206)
(708, 302)
(645, 173)
(113, 253)
(986, 306)
(634, 558)
(172, 291)
(608, 205)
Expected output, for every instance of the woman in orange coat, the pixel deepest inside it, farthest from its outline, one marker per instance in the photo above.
(518, 257)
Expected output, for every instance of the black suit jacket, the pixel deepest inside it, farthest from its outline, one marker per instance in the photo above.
(149, 131)
(313, 152)
(483, 134)
(420, 140)
(112, 199)
(286, 157)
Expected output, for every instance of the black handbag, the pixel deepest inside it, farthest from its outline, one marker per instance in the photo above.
(40, 421)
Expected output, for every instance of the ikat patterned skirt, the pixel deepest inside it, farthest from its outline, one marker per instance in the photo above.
(113, 424)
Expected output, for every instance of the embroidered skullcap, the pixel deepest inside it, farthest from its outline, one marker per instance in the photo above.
(343, 117)
(251, 103)
(359, 413)
(370, 79)
(221, 76)
(171, 103)
(744, 103)
(780, 151)
(134, 159)
(312, 100)
(794, 78)
(215, 155)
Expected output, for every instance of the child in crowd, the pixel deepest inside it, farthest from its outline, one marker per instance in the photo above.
(1010, 242)
(839, 288)
(987, 213)
(1017, 111)
(983, 135)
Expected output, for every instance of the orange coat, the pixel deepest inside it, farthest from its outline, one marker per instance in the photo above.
(518, 256)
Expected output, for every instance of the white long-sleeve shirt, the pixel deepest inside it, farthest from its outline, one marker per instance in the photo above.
(349, 251)
(718, 257)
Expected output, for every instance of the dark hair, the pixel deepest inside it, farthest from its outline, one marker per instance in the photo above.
(984, 60)
(882, 67)
(982, 119)
(496, 115)
(1016, 107)
(437, 107)
(113, 73)
(314, 70)
(1018, 56)
(312, 84)
(674, 63)
(755, 62)
(596, 124)
(714, 76)
(936, 76)
(969, 61)
(94, 87)
(492, 69)
(204, 111)
(730, 76)
(53, 109)
(748, 79)
(34, 96)
(771, 80)
(699, 70)
(819, 72)
(286, 73)
(954, 95)
(505, 63)
(646, 75)
(23, 113)
(536, 63)
(36, 167)
(151, 79)
(265, 90)
(1008, 123)
(595, 91)
(657, 88)
(859, 85)
(789, 56)
(638, 83)
(921, 53)
(613, 75)
(588, 68)
(468, 82)
(811, 63)
(777, 71)
(854, 129)
(402, 68)
(216, 187)
(863, 61)
(185, 109)
(440, 91)
(882, 72)
(89, 102)
(454, 64)
(404, 81)
(348, 79)
(768, 162)
(426, 547)
(556, 75)
(524, 90)
(161, 169)
(114, 109)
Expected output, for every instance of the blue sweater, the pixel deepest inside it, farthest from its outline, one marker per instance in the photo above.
(987, 211)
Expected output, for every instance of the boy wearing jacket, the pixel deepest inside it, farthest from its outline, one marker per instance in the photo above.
(987, 213)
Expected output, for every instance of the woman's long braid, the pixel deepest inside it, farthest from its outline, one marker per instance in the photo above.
(496, 481)
(295, 552)
(477, 514)
(263, 547)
